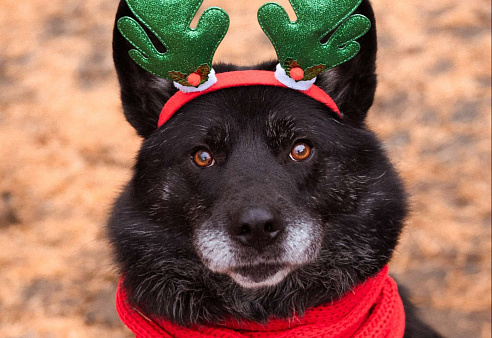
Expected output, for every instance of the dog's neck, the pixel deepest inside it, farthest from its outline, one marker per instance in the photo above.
(372, 309)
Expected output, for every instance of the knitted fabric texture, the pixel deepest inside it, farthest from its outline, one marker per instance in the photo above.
(372, 309)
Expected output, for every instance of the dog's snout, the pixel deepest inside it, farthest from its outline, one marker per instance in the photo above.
(256, 227)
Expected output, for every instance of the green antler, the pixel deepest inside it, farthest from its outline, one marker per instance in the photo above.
(188, 51)
(298, 44)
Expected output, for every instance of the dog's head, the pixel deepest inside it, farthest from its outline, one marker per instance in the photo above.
(253, 201)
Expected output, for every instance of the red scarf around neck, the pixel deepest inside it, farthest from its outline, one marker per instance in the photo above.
(372, 309)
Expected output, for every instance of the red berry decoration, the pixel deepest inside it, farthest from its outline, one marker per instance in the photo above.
(297, 73)
(194, 79)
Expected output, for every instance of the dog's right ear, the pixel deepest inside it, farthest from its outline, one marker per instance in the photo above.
(142, 94)
(352, 85)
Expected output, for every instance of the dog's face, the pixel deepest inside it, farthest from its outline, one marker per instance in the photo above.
(251, 217)
(253, 194)
(250, 173)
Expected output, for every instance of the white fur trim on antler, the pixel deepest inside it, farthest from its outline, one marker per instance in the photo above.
(285, 79)
(212, 79)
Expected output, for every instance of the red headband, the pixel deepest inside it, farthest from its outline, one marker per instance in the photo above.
(240, 79)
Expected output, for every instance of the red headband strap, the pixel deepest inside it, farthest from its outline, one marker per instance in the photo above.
(240, 79)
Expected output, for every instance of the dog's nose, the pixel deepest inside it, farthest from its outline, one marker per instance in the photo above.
(257, 227)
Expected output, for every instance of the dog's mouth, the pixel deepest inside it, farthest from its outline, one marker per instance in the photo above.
(253, 269)
(260, 275)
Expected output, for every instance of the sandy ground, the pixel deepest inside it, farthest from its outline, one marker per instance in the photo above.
(66, 150)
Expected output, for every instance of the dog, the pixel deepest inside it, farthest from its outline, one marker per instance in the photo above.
(255, 202)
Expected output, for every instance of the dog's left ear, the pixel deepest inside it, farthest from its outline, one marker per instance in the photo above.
(142, 94)
(352, 85)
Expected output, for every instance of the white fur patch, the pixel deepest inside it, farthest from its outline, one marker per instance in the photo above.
(300, 245)
(166, 191)
(246, 282)
(216, 249)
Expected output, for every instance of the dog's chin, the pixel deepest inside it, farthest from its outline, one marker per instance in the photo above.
(258, 276)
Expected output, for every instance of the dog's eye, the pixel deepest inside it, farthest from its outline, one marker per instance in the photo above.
(203, 158)
(300, 152)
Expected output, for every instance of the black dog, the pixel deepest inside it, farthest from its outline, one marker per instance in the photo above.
(250, 230)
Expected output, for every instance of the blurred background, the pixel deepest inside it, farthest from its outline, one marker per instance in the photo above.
(66, 150)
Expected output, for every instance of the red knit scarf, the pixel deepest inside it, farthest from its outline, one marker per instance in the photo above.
(372, 309)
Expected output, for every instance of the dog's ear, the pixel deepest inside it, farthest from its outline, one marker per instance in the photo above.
(142, 94)
(352, 84)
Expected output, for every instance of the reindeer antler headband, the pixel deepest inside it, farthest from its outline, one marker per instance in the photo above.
(302, 52)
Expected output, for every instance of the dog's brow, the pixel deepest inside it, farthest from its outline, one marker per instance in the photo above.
(218, 135)
(280, 131)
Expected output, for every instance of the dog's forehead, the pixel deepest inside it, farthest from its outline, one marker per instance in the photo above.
(253, 110)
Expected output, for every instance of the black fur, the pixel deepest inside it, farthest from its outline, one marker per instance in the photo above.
(348, 187)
